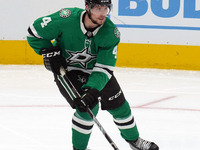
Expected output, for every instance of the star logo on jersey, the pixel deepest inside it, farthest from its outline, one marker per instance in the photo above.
(82, 58)
(64, 13)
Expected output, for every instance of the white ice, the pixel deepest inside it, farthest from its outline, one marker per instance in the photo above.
(34, 115)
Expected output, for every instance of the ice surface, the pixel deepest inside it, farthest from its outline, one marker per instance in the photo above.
(34, 115)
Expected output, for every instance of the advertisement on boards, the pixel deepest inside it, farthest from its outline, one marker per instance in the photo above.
(174, 22)
(158, 21)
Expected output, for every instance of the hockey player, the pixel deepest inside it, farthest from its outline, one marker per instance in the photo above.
(85, 44)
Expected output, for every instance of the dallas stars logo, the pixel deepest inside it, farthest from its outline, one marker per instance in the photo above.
(82, 58)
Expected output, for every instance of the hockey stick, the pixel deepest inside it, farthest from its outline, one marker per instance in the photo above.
(66, 79)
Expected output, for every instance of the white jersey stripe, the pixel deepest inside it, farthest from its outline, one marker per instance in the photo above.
(123, 120)
(127, 127)
(35, 32)
(102, 70)
(70, 68)
(81, 130)
(105, 66)
(83, 122)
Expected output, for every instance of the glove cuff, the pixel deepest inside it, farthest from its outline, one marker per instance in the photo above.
(95, 93)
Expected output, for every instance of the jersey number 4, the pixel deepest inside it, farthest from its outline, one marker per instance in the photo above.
(45, 20)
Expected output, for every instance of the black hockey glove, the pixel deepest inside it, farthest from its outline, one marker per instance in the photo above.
(89, 99)
(53, 59)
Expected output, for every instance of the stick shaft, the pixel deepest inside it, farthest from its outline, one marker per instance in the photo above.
(64, 76)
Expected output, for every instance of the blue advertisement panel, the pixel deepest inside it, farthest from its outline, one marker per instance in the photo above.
(161, 17)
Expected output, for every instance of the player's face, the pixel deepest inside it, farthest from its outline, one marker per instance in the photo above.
(99, 14)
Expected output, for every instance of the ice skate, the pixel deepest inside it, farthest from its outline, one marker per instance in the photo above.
(141, 144)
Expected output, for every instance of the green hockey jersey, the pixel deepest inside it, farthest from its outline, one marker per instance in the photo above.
(93, 52)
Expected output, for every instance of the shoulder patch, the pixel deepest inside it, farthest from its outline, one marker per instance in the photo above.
(64, 13)
(117, 33)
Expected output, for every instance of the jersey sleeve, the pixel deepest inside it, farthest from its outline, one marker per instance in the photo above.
(43, 31)
(106, 60)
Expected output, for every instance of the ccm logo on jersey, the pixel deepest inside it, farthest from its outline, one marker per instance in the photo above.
(115, 96)
(51, 54)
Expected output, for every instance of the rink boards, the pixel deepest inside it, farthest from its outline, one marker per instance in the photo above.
(154, 33)
(129, 55)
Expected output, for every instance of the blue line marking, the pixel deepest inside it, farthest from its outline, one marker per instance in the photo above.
(157, 27)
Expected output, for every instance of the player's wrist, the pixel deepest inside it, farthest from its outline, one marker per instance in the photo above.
(90, 99)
